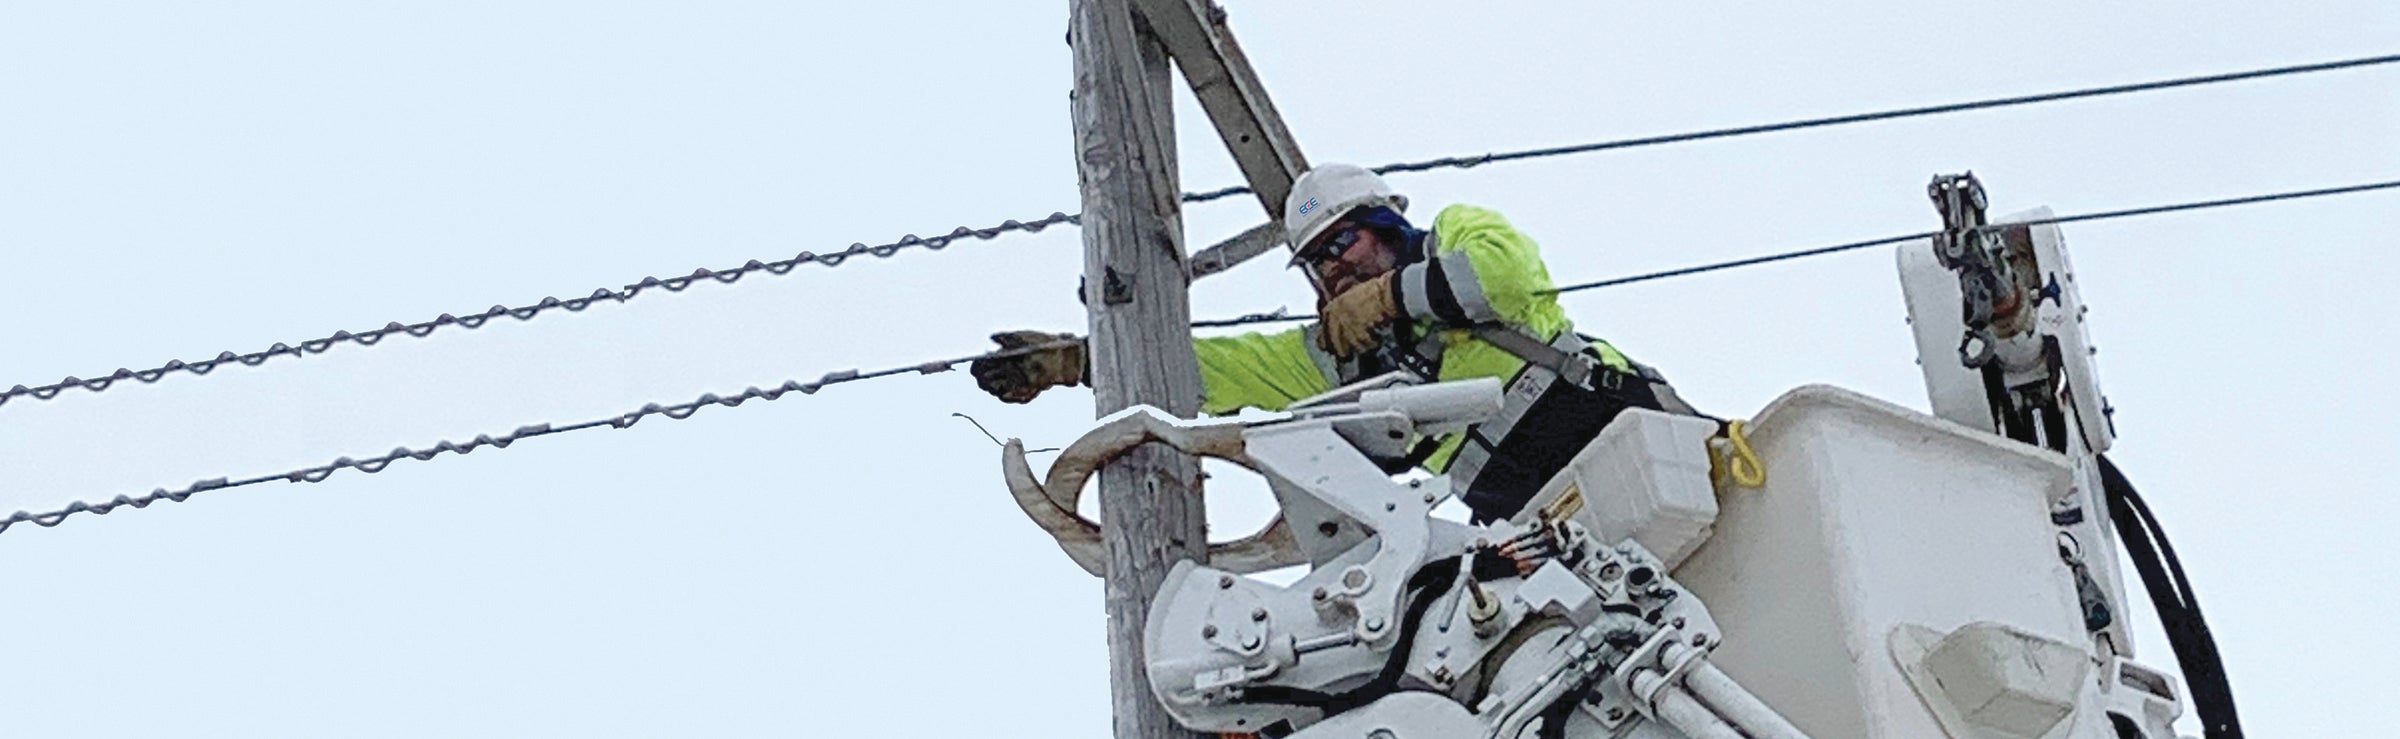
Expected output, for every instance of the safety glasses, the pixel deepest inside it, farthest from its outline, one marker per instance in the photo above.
(1337, 243)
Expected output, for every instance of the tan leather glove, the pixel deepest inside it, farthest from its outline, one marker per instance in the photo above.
(1349, 320)
(1016, 379)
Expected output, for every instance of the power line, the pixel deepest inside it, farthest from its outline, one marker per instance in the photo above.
(2095, 216)
(686, 409)
(677, 284)
(529, 311)
(1274, 316)
(1462, 162)
(1752, 261)
(377, 463)
(1280, 315)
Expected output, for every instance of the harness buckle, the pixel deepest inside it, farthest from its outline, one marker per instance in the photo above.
(1578, 371)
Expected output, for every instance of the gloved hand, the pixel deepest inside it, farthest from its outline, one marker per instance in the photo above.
(1349, 320)
(1017, 379)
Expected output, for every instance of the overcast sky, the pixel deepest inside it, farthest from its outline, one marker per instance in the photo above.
(179, 179)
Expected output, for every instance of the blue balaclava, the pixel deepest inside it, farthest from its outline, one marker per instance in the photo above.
(1393, 228)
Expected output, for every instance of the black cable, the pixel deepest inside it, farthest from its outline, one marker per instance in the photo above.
(1461, 162)
(2206, 204)
(380, 462)
(2077, 218)
(530, 311)
(1388, 680)
(1281, 315)
(1288, 696)
(1751, 261)
(2178, 608)
(527, 312)
(375, 464)
(1554, 716)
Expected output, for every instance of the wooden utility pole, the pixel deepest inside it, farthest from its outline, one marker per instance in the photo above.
(1140, 346)
(1135, 279)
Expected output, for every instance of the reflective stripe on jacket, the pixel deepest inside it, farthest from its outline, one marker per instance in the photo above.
(1478, 269)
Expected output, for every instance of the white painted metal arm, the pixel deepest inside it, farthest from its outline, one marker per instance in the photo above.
(1052, 505)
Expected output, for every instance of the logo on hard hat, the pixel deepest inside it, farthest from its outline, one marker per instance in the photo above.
(1308, 206)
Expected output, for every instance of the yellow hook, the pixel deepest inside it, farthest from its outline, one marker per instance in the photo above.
(1740, 461)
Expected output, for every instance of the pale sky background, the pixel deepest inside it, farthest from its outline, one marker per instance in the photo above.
(178, 179)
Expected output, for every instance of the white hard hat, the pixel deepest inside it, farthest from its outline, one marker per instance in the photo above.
(1325, 193)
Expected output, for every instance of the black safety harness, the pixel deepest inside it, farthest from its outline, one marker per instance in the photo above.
(1554, 405)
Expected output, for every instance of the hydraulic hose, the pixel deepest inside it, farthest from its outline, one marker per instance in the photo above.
(1677, 708)
(1736, 703)
(2178, 608)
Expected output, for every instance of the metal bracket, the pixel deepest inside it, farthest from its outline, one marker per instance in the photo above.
(1115, 287)
(1966, 248)
(1648, 656)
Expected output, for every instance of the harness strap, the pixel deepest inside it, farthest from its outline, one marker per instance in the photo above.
(1573, 365)
(1530, 349)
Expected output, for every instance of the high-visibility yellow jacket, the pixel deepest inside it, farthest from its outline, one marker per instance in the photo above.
(1478, 269)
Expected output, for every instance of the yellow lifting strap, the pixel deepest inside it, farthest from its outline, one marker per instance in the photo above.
(1730, 455)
